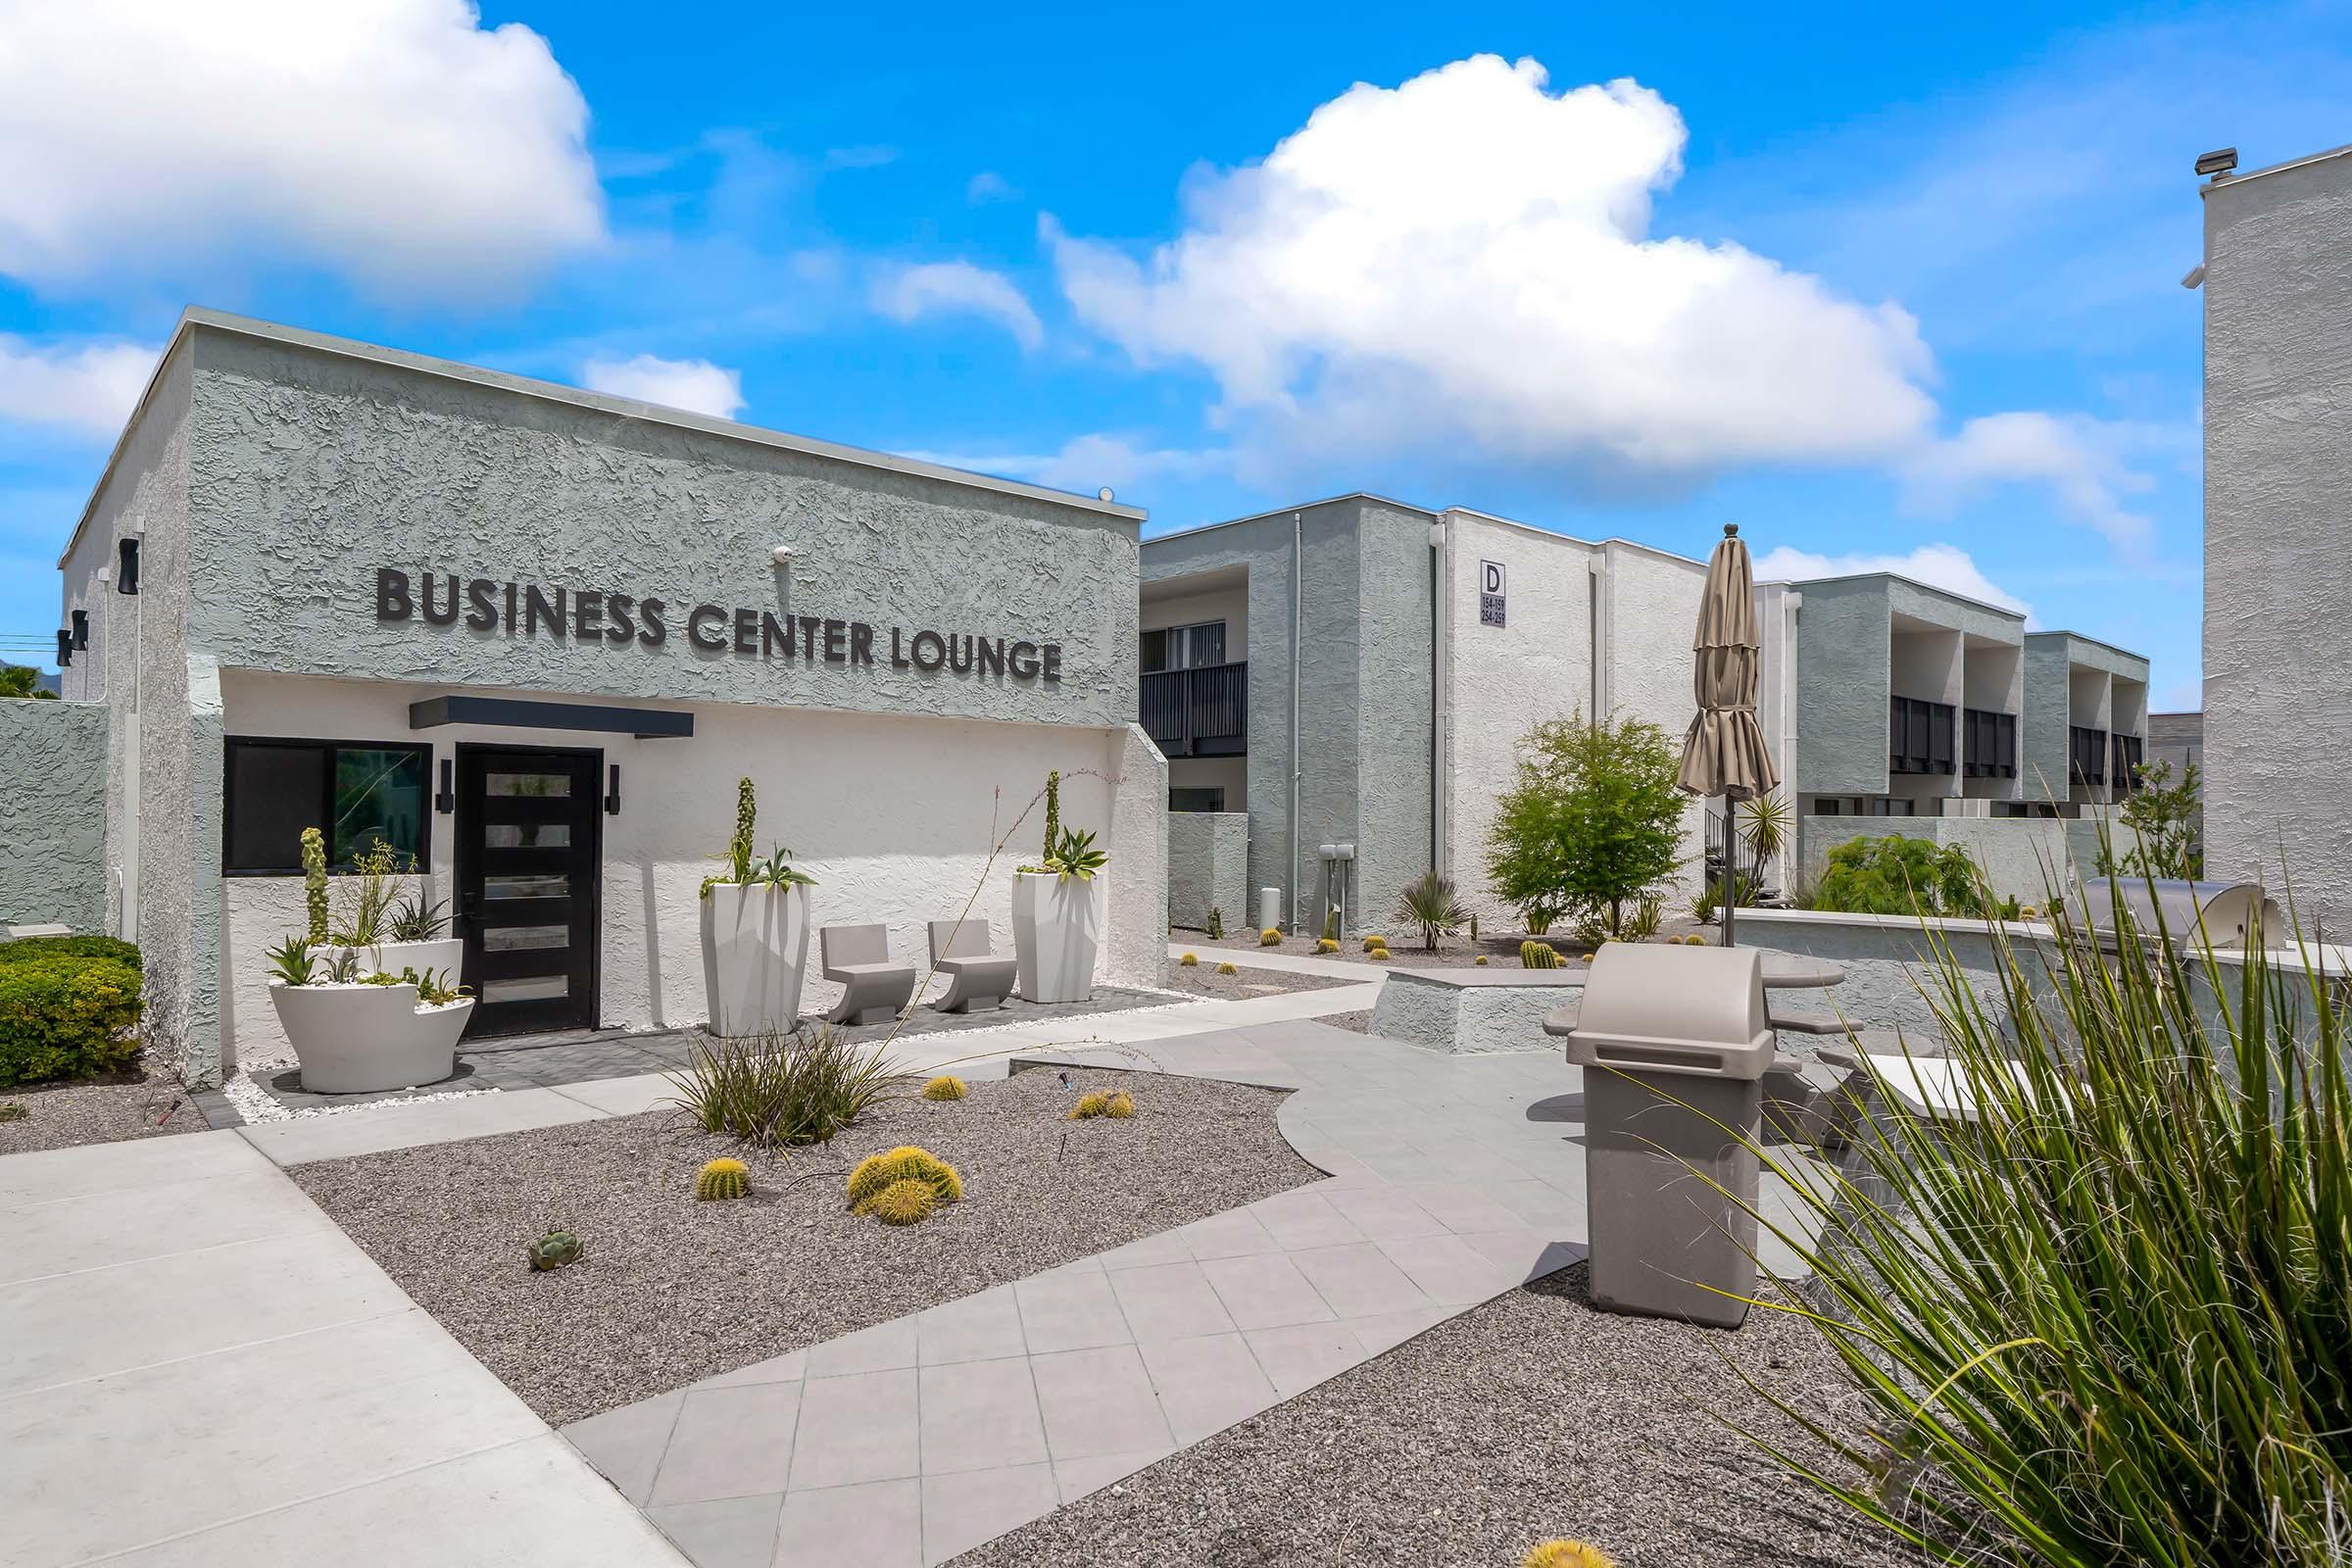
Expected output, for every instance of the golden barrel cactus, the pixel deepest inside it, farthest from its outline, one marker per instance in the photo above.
(722, 1179)
(947, 1086)
(876, 1172)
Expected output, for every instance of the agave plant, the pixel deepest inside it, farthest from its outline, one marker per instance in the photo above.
(2108, 1323)
(777, 870)
(291, 961)
(1075, 856)
(1429, 901)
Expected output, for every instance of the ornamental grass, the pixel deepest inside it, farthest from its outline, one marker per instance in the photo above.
(2110, 1322)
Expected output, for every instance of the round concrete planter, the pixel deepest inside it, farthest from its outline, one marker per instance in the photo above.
(1057, 928)
(754, 956)
(443, 954)
(363, 1040)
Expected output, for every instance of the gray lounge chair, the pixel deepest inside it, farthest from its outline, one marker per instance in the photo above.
(858, 957)
(959, 950)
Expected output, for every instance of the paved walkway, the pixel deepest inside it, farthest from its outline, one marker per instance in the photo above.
(1453, 1178)
(201, 1369)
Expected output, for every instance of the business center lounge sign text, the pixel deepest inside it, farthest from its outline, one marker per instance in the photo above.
(617, 619)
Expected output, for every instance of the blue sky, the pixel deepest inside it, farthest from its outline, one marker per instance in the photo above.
(1877, 283)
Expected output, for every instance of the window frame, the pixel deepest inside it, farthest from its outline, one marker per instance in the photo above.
(230, 745)
(1181, 636)
(1218, 790)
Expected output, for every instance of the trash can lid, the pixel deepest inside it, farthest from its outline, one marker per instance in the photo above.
(1675, 1010)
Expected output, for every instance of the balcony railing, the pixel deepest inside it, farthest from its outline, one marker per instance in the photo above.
(1198, 712)
(2087, 753)
(1987, 744)
(2127, 754)
(1919, 736)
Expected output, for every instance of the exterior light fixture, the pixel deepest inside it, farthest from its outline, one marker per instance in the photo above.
(612, 792)
(446, 801)
(65, 648)
(127, 570)
(2219, 162)
(81, 628)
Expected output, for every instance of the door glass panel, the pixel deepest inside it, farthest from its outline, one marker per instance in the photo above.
(526, 886)
(538, 988)
(526, 835)
(537, 784)
(519, 938)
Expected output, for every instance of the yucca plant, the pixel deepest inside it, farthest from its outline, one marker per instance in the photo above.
(780, 1089)
(2108, 1323)
(1429, 901)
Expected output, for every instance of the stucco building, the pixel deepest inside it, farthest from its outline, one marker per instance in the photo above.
(2277, 725)
(323, 583)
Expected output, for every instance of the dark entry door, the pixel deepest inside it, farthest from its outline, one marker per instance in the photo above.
(528, 886)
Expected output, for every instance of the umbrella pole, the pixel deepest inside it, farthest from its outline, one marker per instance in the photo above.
(1730, 875)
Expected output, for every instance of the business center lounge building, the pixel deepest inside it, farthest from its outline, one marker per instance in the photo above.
(328, 584)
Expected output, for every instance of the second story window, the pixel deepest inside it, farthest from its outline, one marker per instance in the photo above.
(1184, 647)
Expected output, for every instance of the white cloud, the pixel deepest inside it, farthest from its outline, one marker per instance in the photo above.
(2082, 462)
(91, 389)
(1467, 256)
(989, 186)
(1945, 567)
(947, 288)
(1088, 462)
(695, 385)
(395, 140)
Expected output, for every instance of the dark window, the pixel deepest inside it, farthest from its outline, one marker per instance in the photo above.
(359, 792)
(1183, 646)
(1200, 799)
(1919, 736)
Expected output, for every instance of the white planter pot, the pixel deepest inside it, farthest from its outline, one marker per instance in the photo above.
(1057, 926)
(360, 1040)
(754, 956)
(444, 954)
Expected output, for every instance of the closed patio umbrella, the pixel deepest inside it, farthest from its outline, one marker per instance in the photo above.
(1724, 754)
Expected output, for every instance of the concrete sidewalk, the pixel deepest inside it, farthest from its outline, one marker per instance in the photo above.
(203, 1369)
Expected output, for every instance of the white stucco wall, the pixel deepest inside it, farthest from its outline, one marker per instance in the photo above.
(1230, 605)
(892, 815)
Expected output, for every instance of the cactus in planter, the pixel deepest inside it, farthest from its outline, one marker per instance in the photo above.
(1119, 1106)
(557, 1249)
(1216, 924)
(947, 1086)
(1539, 956)
(1052, 813)
(876, 1172)
(1474, 927)
(722, 1179)
(313, 884)
(1327, 944)
(1269, 938)
(1331, 923)
(1089, 1105)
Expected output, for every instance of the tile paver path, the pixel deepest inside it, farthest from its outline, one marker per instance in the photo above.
(1453, 1178)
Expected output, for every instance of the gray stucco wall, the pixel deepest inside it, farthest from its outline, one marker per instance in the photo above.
(2041, 762)
(53, 813)
(2277, 403)
(1208, 868)
(313, 469)
(1841, 689)
(1364, 714)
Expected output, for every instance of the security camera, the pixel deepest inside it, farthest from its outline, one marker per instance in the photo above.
(781, 555)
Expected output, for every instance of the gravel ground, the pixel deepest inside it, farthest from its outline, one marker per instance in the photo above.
(1360, 1022)
(1405, 951)
(62, 1115)
(671, 1290)
(1529, 1418)
(1202, 980)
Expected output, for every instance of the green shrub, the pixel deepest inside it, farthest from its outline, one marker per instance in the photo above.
(26, 948)
(67, 1015)
(1592, 821)
(1898, 875)
(767, 1089)
(2107, 1323)
(1428, 902)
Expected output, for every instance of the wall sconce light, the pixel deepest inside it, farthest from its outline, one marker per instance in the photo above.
(127, 566)
(65, 648)
(781, 555)
(612, 792)
(81, 628)
(447, 801)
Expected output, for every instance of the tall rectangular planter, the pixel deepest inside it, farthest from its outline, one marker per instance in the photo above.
(1056, 929)
(754, 956)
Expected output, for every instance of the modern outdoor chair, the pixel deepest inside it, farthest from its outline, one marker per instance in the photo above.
(959, 950)
(858, 957)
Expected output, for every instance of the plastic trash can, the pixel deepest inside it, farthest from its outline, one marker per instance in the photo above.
(1674, 1042)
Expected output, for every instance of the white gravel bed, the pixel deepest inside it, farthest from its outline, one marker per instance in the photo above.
(1526, 1419)
(672, 1291)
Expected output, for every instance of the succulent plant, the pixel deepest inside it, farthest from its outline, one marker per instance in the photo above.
(1053, 811)
(876, 1172)
(947, 1086)
(1331, 923)
(1473, 925)
(1189, 960)
(1380, 955)
(1216, 924)
(1539, 956)
(1089, 1105)
(1269, 938)
(12, 1111)
(903, 1203)
(1229, 968)
(1327, 944)
(1373, 939)
(1568, 1554)
(314, 885)
(1119, 1106)
(722, 1179)
(557, 1249)
(1695, 940)
(1479, 960)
